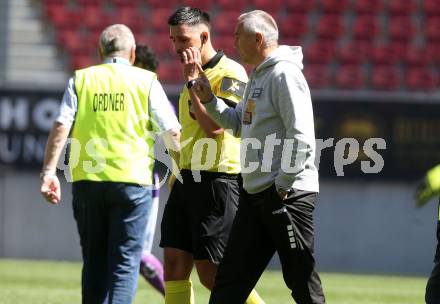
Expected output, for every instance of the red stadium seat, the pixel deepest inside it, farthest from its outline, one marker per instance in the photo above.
(73, 42)
(295, 25)
(162, 45)
(330, 27)
(350, 77)
(401, 8)
(320, 52)
(130, 17)
(421, 79)
(226, 44)
(385, 78)
(92, 38)
(90, 2)
(124, 4)
(387, 54)
(300, 6)
(205, 5)
(333, 6)
(53, 8)
(94, 18)
(224, 23)
(272, 6)
(401, 29)
(417, 56)
(62, 17)
(318, 76)
(433, 29)
(232, 5)
(368, 7)
(83, 61)
(158, 19)
(291, 41)
(431, 7)
(365, 28)
(354, 53)
(170, 72)
(146, 39)
(433, 52)
(161, 4)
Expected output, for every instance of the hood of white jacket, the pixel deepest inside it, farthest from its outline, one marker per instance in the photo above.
(292, 54)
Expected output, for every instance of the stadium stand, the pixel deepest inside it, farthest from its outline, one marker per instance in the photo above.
(293, 26)
(318, 76)
(353, 53)
(330, 27)
(334, 6)
(224, 22)
(365, 27)
(401, 29)
(431, 7)
(350, 77)
(348, 44)
(322, 52)
(367, 7)
(420, 78)
(31, 58)
(385, 77)
(272, 7)
(401, 8)
(237, 5)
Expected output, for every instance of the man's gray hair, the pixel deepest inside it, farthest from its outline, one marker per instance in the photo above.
(115, 40)
(258, 21)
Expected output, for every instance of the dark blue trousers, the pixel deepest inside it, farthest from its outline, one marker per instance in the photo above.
(111, 219)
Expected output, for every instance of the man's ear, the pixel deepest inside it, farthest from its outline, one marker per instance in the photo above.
(204, 37)
(259, 39)
(100, 55)
(132, 55)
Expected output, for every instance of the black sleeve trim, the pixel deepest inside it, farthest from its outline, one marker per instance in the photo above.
(229, 103)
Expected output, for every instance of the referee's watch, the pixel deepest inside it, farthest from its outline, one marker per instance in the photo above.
(191, 83)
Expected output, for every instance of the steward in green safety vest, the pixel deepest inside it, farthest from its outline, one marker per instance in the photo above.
(115, 139)
(429, 187)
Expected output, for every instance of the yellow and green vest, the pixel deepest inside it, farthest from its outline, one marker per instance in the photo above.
(112, 137)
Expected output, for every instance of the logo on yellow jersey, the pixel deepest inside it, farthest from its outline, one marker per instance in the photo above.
(233, 86)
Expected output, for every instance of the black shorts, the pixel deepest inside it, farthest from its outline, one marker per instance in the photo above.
(198, 215)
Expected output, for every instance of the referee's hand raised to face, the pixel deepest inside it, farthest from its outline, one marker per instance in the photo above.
(191, 57)
(202, 87)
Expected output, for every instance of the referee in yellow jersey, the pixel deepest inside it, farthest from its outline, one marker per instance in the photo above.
(200, 211)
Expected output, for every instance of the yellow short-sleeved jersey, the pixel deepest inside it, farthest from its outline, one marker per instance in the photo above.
(222, 153)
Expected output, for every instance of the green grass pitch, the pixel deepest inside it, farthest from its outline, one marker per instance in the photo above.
(46, 282)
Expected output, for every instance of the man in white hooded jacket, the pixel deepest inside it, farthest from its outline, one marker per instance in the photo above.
(280, 180)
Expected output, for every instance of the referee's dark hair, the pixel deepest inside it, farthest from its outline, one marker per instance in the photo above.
(190, 16)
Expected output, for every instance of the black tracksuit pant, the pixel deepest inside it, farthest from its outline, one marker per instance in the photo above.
(265, 224)
(432, 295)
